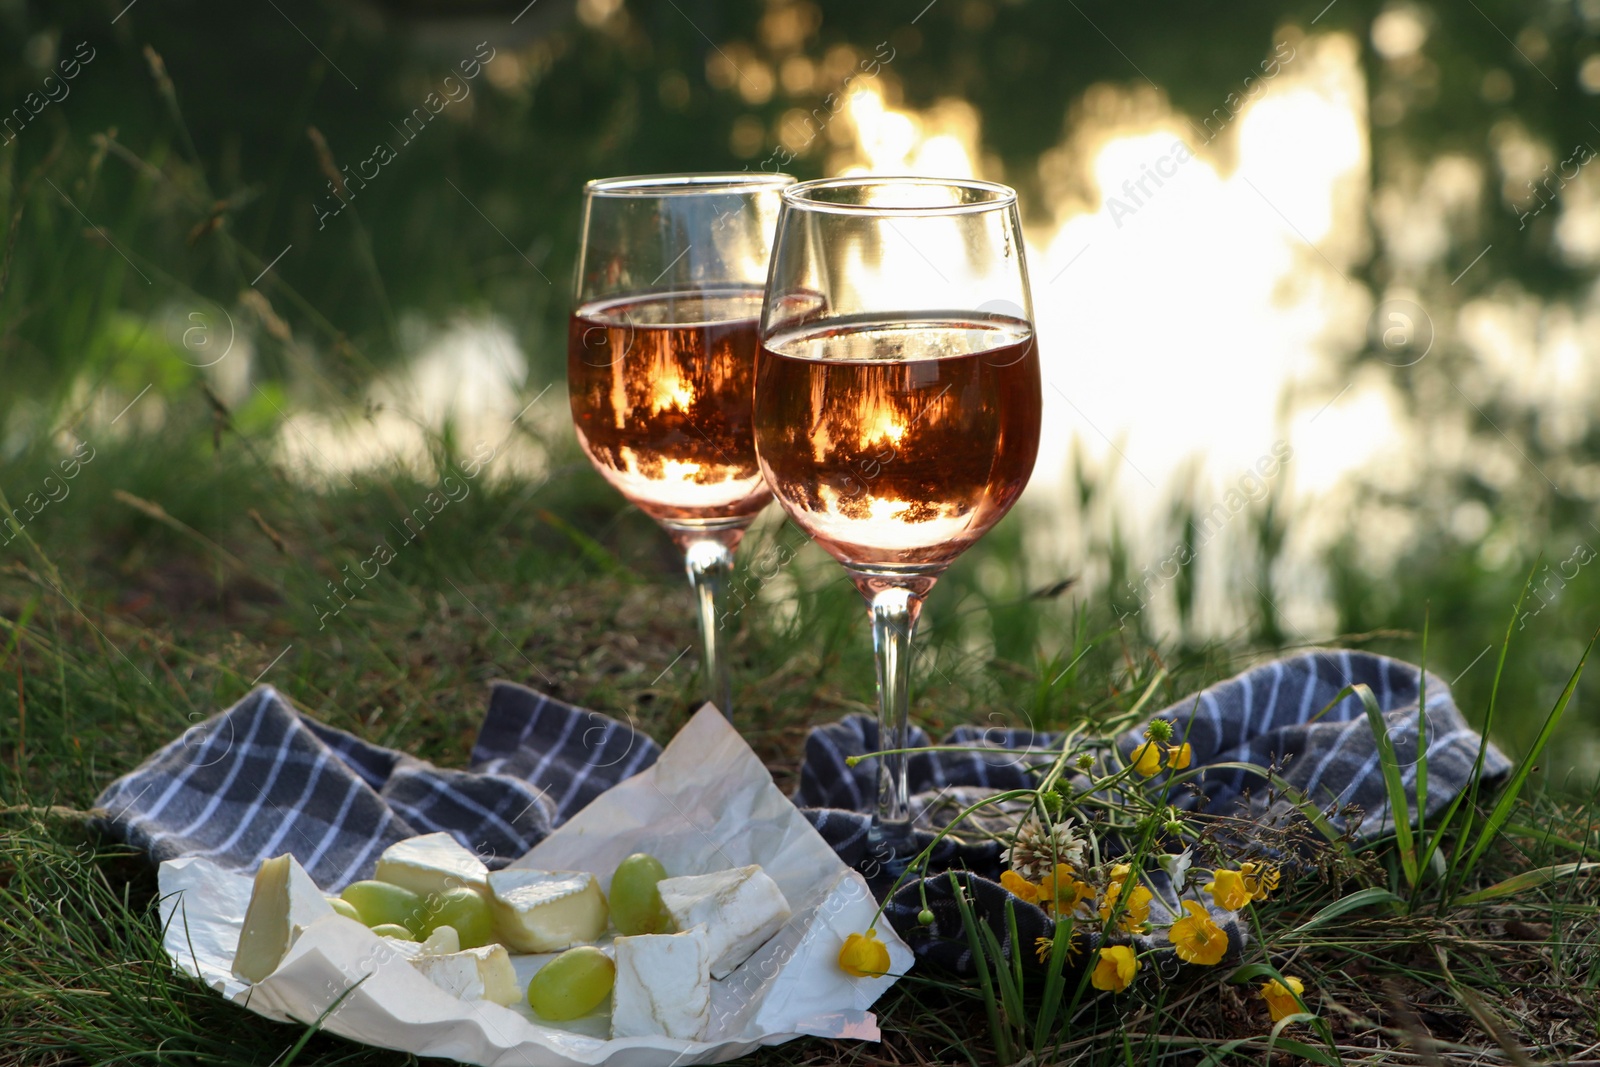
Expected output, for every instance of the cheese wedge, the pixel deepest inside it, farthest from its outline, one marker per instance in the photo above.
(432, 863)
(740, 908)
(546, 911)
(663, 985)
(443, 941)
(474, 974)
(283, 901)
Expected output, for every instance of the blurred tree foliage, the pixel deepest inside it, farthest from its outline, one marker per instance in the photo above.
(595, 88)
(201, 142)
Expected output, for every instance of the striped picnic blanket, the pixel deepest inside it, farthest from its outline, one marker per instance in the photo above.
(261, 779)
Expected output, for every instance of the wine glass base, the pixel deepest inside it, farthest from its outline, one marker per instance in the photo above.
(890, 848)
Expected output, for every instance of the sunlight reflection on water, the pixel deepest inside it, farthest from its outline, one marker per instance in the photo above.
(468, 376)
(1187, 295)
(1198, 308)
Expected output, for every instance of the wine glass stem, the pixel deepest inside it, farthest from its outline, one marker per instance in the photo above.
(710, 567)
(894, 616)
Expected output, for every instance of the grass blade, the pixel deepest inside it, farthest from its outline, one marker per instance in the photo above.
(1299, 1048)
(1421, 779)
(980, 961)
(316, 1027)
(1054, 985)
(1544, 836)
(1508, 798)
(19, 627)
(1399, 802)
(591, 549)
(1471, 806)
(1216, 1056)
(1527, 880)
(1010, 989)
(1438, 834)
(1360, 899)
(1019, 1019)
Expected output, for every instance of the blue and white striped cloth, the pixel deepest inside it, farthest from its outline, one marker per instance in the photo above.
(1273, 715)
(261, 779)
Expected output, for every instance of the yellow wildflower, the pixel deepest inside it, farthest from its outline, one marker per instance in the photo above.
(1115, 969)
(1119, 873)
(1136, 912)
(1018, 886)
(1179, 756)
(1042, 947)
(1197, 939)
(1147, 759)
(864, 956)
(1228, 889)
(1280, 1001)
(1062, 892)
(1260, 878)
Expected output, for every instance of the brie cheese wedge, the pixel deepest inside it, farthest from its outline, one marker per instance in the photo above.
(442, 942)
(740, 908)
(432, 863)
(663, 985)
(474, 974)
(546, 911)
(283, 902)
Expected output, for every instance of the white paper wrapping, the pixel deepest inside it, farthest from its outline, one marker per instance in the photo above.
(707, 804)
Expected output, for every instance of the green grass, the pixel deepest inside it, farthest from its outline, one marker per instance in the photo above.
(146, 601)
(184, 565)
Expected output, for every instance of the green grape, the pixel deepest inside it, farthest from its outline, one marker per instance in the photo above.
(377, 903)
(465, 909)
(345, 908)
(572, 984)
(635, 900)
(394, 930)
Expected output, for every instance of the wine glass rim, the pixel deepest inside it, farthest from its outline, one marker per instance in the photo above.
(802, 195)
(689, 183)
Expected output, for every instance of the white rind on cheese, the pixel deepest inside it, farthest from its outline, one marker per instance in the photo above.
(546, 911)
(740, 908)
(443, 941)
(474, 974)
(283, 902)
(663, 985)
(432, 863)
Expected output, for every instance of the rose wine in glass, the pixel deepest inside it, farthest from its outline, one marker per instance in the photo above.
(897, 401)
(661, 391)
(661, 364)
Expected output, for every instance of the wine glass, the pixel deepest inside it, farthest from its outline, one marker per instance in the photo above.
(661, 354)
(897, 401)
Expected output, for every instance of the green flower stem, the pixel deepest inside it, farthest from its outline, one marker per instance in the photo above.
(927, 853)
(1070, 744)
(851, 761)
(1087, 795)
(1058, 768)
